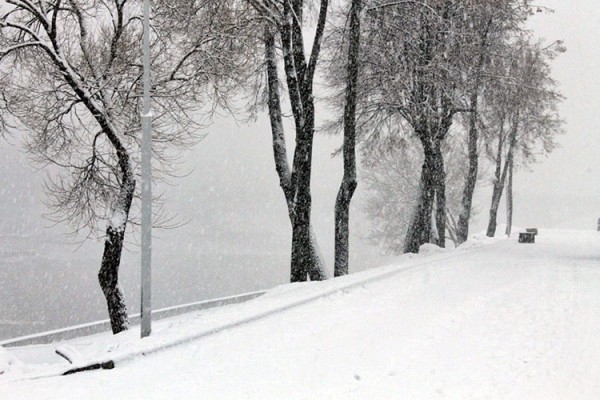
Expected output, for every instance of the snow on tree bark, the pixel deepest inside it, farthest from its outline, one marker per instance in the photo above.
(280, 151)
(72, 90)
(494, 18)
(419, 230)
(462, 229)
(349, 182)
(509, 199)
(108, 276)
(299, 74)
(440, 195)
(500, 180)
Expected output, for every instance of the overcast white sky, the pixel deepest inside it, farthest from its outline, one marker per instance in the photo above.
(566, 186)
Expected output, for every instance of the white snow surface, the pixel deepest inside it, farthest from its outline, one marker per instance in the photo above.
(117, 221)
(491, 319)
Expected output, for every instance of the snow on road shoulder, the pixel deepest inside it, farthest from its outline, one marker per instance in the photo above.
(43, 361)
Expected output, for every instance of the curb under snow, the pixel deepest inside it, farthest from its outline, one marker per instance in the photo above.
(301, 294)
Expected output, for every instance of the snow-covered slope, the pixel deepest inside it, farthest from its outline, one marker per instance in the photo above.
(492, 319)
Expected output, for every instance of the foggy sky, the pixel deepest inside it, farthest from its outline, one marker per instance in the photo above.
(564, 189)
(235, 206)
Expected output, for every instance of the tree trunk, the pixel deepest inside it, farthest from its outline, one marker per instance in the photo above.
(316, 263)
(301, 254)
(496, 196)
(440, 195)
(349, 183)
(342, 229)
(299, 77)
(302, 265)
(462, 230)
(108, 276)
(419, 230)
(301, 261)
(497, 190)
(501, 178)
(509, 199)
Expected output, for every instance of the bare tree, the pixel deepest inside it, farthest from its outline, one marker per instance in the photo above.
(411, 82)
(285, 22)
(349, 183)
(280, 150)
(72, 74)
(492, 22)
(423, 64)
(523, 116)
(392, 192)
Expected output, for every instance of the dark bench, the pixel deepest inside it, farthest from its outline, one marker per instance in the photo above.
(532, 230)
(526, 237)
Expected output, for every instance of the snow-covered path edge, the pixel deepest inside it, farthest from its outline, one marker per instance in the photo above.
(127, 346)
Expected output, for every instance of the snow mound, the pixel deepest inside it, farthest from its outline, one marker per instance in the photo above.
(429, 248)
(481, 239)
(9, 363)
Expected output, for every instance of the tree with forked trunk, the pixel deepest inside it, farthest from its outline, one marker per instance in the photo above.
(412, 74)
(317, 264)
(392, 192)
(284, 24)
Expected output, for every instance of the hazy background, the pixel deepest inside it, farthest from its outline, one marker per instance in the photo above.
(238, 237)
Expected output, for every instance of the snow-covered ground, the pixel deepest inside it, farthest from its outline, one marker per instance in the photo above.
(491, 319)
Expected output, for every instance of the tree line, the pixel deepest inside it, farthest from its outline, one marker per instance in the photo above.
(431, 82)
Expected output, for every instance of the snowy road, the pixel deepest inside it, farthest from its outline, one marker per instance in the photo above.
(502, 321)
